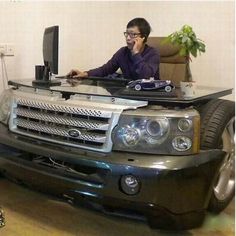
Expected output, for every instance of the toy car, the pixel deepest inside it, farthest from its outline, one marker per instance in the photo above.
(150, 84)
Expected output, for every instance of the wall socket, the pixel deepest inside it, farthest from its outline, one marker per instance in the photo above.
(7, 49)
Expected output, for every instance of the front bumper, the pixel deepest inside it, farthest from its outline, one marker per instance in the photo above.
(174, 193)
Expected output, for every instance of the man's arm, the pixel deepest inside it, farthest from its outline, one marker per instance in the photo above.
(109, 68)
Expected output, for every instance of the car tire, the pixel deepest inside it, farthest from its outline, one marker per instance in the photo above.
(2, 218)
(168, 89)
(217, 132)
(138, 87)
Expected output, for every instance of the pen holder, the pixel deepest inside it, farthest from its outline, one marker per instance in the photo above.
(39, 72)
(188, 89)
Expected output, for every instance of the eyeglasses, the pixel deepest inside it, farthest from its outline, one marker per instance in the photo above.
(131, 35)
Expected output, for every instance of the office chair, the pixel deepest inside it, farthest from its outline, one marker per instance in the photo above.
(172, 65)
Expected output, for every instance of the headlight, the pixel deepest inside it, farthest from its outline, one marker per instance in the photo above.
(5, 101)
(144, 129)
(161, 131)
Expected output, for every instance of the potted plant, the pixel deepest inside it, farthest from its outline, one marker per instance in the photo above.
(189, 44)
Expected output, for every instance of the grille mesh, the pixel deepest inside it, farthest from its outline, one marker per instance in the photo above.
(61, 108)
(49, 129)
(53, 122)
(55, 118)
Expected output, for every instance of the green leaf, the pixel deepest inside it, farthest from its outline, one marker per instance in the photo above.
(184, 39)
(189, 43)
(193, 51)
(187, 28)
(183, 52)
(202, 47)
(194, 38)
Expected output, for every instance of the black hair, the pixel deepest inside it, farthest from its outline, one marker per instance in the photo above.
(142, 25)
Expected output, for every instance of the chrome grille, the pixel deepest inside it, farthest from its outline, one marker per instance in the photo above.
(77, 121)
(52, 122)
(80, 122)
(49, 129)
(67, 109)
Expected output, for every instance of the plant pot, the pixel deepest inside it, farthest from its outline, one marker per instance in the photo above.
(188, 89)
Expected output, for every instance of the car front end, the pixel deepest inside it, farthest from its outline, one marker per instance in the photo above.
(119, 155)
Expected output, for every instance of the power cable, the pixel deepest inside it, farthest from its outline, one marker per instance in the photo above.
(3, 77)
(4, 71)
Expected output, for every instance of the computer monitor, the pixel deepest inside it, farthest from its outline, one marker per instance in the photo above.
(50, 48)
(50, 57)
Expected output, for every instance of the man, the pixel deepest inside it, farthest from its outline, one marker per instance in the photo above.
(137, 60)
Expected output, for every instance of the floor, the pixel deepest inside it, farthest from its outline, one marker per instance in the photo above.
(29, 213)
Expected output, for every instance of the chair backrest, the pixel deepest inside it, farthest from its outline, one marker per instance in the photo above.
(172, 65)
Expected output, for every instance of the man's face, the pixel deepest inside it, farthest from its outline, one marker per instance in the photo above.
(131, 34)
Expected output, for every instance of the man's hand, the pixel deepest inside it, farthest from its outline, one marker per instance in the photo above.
(138, 45)
(75, 76)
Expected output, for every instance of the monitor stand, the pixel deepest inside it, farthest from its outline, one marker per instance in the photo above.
(46, 81)
(45, 84)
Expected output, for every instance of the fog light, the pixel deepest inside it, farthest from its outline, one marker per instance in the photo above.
(182, 143)
(130, 184)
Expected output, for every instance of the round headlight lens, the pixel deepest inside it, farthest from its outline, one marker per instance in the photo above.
(157, 128)
(130, 136)
(181, 143)
(153, 128)
(184, 125)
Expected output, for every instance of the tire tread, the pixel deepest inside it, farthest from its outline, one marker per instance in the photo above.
(214, 116)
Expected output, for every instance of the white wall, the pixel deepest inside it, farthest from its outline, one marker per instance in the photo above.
(90, 32)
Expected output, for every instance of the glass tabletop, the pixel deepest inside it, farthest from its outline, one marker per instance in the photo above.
(117, 88)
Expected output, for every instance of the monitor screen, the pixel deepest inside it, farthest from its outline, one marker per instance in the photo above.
(50, 58)
(50, 48)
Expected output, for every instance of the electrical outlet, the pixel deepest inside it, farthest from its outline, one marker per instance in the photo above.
(10, 50)
(7, 49)
(3, 48)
